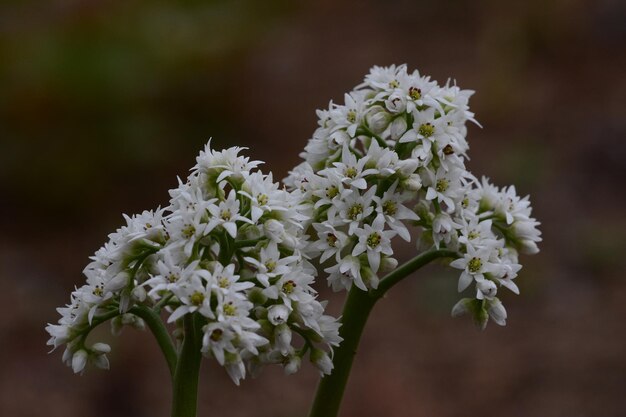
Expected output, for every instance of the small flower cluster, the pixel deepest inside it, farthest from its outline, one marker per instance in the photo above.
(227, 250)
(392, 156)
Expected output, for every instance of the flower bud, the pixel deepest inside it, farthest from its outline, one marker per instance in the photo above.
(396, 103)
(461, 307)
(260, 312)
(138, 323)
(398, 127)
(256, 296)
(388, 264)
(322, 361)
(378, 119)
(139, 294)
(100, 348)
(278, 314)
(101, 361)
(117, 325)
(282, 338)
(118, 282)
(528, 247)
(340, 137)
(487, 288)
(274, 230)
(413, 182)
(290, 241)
(497, 312)
(79, 360)
(293, 365)
(475, 308)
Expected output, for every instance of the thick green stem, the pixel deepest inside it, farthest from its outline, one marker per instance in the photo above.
(331, 387)
(358, 306)
(162, 336)
(185, 399)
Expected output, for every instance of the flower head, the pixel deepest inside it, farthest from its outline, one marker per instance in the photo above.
(227, 250)
(391, 162)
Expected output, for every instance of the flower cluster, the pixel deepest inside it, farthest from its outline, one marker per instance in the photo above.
(393, 156)
(228, 250)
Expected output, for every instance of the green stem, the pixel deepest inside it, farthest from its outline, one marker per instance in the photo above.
(331, 387)
(358, 306)
(409, 267)
(153, 320)
(185, 399)
(248, 242)
(162, 336)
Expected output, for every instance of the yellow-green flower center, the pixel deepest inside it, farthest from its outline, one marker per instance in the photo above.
(474, 265)
(223, 282)
(426, 130)
(196, 298)
(394, 84)
(331, 240)
(351, 116)
(288, 287)
(270, 265)
(390, 208)
(98, 291)
(172, 277)
(216, 335)
(262, 199)
(226, 215)
(332, 191)
(188, 231)
(230, 309)
(415, 93)
(442, 185)
(373, 240)
(350, 172)
(354, 211)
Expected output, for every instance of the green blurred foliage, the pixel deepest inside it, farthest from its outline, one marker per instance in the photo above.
(108, 85)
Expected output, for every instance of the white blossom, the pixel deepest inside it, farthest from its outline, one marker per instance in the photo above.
(229, 250)
(391, 161)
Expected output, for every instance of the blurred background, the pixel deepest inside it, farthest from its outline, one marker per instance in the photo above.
(103, 103)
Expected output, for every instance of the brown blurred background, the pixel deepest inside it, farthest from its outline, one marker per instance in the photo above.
(103, 103)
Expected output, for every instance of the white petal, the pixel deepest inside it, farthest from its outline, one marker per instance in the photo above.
(79, 360)
(464, 281)
(374, 260)
(231, 228)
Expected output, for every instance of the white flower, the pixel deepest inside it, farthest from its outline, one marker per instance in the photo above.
(331, 241)
(230, 248)
(374, 240)
(226, 214)
(344, 273)
(390, 207)
(352, 208)
(352, 170)
(270, 264)
(349, 116)
(445, 187)
(475, 263)
(411, 132)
